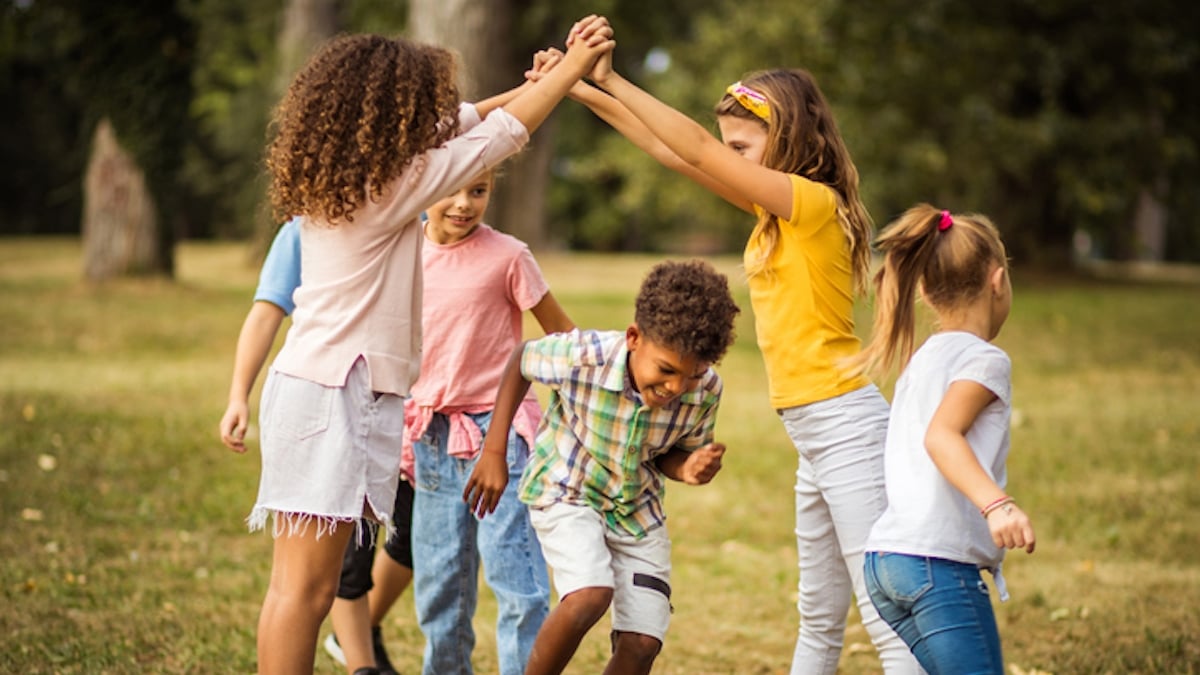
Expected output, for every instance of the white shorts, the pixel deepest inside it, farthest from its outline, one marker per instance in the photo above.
(583, 552)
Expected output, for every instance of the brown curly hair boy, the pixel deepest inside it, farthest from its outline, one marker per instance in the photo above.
(686, 306)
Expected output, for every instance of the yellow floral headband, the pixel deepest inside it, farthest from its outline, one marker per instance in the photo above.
(751, 100)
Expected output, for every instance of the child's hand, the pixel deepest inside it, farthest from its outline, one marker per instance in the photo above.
(233, 426)
(487, 483)
(702, 464)
(589, 38)
(1010, 528)
(544, 61)
(602, 68)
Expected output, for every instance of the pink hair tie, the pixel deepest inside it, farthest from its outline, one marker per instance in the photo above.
(945, 222)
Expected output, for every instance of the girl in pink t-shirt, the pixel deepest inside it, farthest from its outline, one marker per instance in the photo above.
(365, 138)
(478, 283)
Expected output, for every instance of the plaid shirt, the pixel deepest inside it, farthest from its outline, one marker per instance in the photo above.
(597, 441)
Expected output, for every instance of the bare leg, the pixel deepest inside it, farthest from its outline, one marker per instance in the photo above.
(304, 577)
(565, 627)
(633, 654)
(391, 580)
(351, 625)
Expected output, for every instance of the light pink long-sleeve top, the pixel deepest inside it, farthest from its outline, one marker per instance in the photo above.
(360, 289)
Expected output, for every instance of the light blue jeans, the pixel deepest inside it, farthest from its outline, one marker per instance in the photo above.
(839, 495)
(448, 542)
(940, 608)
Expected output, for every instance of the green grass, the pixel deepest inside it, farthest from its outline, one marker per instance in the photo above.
(123, 547)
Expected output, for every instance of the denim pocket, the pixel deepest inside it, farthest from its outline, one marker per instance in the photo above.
(301, 408)
(904, 578)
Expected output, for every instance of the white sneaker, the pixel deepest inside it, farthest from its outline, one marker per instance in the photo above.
(334, 649)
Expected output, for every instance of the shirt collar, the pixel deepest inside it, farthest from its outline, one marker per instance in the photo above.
(615, 378)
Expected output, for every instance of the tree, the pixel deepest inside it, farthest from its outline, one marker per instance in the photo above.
(134, 72)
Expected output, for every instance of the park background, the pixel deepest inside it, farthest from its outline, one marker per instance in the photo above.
(133, 224)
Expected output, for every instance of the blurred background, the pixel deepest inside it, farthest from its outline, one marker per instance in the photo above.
(1074, 124)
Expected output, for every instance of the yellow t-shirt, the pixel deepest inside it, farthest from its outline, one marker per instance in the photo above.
(803, 302)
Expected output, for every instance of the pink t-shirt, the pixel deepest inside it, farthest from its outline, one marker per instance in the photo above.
(360, 289)
(476, 290)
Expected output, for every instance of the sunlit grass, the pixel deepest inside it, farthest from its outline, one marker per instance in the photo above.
(124, 548)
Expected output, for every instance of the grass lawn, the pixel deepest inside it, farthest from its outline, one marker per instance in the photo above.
(123, 547)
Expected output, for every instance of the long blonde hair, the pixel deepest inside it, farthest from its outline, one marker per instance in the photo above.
(943, 256)
(803, 139)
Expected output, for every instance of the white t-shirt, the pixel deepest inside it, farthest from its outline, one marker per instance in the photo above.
(926, 515)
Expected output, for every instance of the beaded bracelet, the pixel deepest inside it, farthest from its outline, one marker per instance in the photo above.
(995, 505)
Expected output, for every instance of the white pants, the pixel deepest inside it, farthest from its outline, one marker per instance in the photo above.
(839, 495)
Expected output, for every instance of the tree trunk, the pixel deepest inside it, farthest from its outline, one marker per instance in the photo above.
(120, 230)
(1150, 222)
(306, 25)
(489, 63)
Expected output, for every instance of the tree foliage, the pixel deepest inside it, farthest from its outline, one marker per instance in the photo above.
(1056, 117)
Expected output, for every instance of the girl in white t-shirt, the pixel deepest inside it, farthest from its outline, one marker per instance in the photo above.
(948, 515)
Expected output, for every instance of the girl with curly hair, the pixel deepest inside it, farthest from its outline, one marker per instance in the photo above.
(369, 133)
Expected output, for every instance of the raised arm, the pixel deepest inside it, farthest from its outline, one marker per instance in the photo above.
(946, 443)
(490, 476)
(592, 37)
(743, 180)
(628, 125)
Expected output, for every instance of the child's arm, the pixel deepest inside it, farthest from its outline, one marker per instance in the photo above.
(624, 122)
(946, 443)
(697, 467)
(253, 345)
(745, 180)
(551, 316)
(489, 104)
(490, 476)
(591, 37)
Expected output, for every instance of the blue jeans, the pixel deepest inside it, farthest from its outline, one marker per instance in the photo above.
(448, 543)
(940, 608)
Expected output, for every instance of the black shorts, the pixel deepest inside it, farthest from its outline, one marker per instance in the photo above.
(356, 563)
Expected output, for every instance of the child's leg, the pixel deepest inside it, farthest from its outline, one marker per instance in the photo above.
(350, 612)
(573, 543)
(446, 569)
(304, 573)
(633, 653)
(825, 585)
(352, 625)
(641, 599)
(564, 628)
(393, 572)
(839, 495)
(514, 569)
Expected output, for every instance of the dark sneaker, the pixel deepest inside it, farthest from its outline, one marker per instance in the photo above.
(367, 671)
(381, 656)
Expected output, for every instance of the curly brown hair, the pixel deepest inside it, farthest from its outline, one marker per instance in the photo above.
(353, 118)
(686, 306)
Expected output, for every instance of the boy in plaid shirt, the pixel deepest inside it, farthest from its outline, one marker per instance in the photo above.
(625, 410)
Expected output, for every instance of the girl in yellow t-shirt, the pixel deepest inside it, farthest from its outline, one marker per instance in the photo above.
(782, 159)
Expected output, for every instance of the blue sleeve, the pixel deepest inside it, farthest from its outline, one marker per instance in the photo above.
(280, 275)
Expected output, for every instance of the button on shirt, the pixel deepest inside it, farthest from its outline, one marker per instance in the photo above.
(597, 440)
